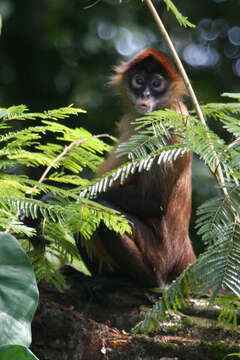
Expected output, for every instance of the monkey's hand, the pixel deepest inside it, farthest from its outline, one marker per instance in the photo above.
(128, 199)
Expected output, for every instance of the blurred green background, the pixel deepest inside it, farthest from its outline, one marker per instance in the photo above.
(58, 52)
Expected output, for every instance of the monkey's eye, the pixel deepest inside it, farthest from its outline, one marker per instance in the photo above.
(137, 81)
(158, 83)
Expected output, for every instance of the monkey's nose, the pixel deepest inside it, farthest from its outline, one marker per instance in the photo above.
(146, 94)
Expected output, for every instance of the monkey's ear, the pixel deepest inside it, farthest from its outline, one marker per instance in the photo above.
(116, 79)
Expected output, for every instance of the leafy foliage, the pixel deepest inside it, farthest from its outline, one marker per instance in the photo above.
(19, 293)
(172, 299)
(230, 304)
(13, 352)
(72, 151)
(218, 219)
(180, 18)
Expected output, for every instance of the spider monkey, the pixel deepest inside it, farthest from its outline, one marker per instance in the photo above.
(157, 202)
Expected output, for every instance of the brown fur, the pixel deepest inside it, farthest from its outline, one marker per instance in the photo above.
(159, 249)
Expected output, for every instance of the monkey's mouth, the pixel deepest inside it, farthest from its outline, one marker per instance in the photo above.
(144, 107)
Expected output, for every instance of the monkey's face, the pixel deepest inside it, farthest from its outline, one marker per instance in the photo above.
(146, 84)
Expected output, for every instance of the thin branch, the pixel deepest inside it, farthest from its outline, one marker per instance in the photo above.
(176, 59)
(92, 5)
(218, 173)
(235, 142)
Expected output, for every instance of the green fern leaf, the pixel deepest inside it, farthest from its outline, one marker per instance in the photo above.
(183, 21)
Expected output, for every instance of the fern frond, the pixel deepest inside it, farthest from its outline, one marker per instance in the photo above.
(77, 159)
(231, 124)
(10, 221)
(155, 130)
(81, 135)
(220, 110)
(219, 266)
(12, 112)
(19, 113)
(45, 269)
(173, 298)
(163, 120)
(218, 223)
(230, 307)
(10, 184)
(206, 145)
(165, 154)
(215, 217)
(69, 179)
(20, 137)
(61, 113)
(85, 216)
(149, 144)
(32, 207)
(30, 158)
(183, 21)
(232, 95)
(61, 241)
(77, 149)
(83, 149)
(40, 187)
(142, 144)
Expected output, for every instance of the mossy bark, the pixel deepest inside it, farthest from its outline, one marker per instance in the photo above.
(67, 327)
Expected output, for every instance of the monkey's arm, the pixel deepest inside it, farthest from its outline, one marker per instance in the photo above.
(128, 199)
(179, 107)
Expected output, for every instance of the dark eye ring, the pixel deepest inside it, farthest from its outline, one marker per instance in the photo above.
(156, 83)
(137, 81)
(159, 83)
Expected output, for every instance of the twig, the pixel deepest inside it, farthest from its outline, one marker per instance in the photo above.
(234, 143)
(176, 59)
(91, 5)
(218, 173)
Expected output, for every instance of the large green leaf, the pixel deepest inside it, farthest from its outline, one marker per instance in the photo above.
(16, 352)
(18, 293)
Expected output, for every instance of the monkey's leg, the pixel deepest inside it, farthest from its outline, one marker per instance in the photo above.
(186, 256)
(129, 268)
(126, 254)
(120, 255)
(129, 259)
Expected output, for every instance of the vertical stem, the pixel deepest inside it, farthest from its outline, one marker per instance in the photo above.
(218, 173)
(176, 59)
